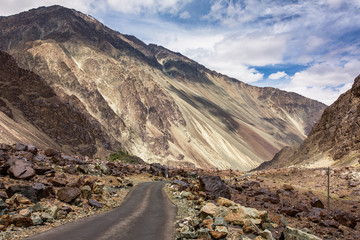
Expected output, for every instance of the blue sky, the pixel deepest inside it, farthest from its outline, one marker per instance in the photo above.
(305, 46)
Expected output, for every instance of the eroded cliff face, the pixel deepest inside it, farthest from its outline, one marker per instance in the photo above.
(159, 104)
(334, 140)
(33, 113)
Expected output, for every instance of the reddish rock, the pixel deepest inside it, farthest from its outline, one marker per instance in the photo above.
(95, 203)
(288, 187)
(21, 221)
(51, 152)
(68, 194)
(345, 218)
(21, 170)
(317, 203)
(57, 182)
(290, 211)
(214, 187)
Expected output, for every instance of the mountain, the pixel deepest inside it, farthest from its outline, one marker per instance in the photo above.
(334, 140)
(145, 99)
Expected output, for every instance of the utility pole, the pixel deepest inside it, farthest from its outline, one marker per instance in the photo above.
(230, 176)
(328, 190)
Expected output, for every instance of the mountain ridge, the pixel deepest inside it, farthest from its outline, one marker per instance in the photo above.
(160, 105)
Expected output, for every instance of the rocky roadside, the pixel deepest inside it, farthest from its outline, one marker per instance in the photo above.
(257, 211)
(41, 189)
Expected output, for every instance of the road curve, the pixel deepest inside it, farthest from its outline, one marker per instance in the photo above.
(145, 214)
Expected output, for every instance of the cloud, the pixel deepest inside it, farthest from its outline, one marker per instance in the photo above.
(278, 75)
(323, 81)
(147, 6)
(185, 15)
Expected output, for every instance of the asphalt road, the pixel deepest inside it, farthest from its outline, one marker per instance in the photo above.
(145, 214)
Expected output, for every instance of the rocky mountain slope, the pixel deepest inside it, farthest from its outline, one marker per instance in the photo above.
(160, 105)
(334, 139)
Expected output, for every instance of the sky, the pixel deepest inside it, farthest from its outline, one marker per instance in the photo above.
(311, 47)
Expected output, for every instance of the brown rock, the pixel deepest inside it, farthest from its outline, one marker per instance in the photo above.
(208, 223)
(68, 194)
(288, 187)
(317, 203)
(21, 221)
(290, 211)
(209, 209)
(235, 218)
(249, 227)
(344, 218)
(219, 233)
(57, 182)
(51, 152)
(214, 187)
(95, 203)
(225, 202)
(21, 170)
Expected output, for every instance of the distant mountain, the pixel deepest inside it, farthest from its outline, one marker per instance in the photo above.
(145, 99)
(334, 140)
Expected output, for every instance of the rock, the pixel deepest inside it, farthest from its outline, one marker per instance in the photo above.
(46, 217)
(104, 169)
(219, 232)
(32, 149)
(41, 170)
(288, 187)
(61, 214)
(235, 218)
(36, 219)
(266, 234)
(274, 199)
(214, 187)
(329, 223)
(185, 194)
(256, 216)
(53, 211)
(203, 233)
(67, 209)
(249, 227)
(57, 182)
(344, 218)
(3, 156)
(315, 202)
(292, 234)
(225, 202)
(21, 170)
(98, 187)
(188, 235)
(43, 191)
(68, 194)
(2, 204)
(18, 199)
(95, 203)
(51, 152)
(209, 209)
(5, 147)
(20, 147)
(21, 221)
(219, 221)
(290, 211)
(86, 191)
(316, 214)
(25, 212)
(159, 170)
(208, 223)
(250, 184)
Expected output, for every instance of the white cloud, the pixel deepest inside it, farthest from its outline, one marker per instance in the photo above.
(278, 75)
(185, 15)
(324, 82)
(147, 6)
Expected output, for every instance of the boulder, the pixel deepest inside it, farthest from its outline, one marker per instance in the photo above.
(250, 184)
(36, 219)
(21, 169)
(32, 149)
(292, 233)
(235, 218)
(214, 187)
(315, 202)
(3, 156)
(21, 221)
(68, 194)
(98, 187)
(290, 211)
(20, 147)
(95, 203)
(85, 191)
(159, 170)
(209, 209)
(51, 152)
(219, 232)
(225, 202)
(344, 218)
